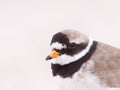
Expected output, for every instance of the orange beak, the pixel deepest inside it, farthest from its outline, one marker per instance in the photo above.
(54, 54)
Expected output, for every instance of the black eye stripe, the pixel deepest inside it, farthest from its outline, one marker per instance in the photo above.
(57, 50)
(72, 51)
(71, 48)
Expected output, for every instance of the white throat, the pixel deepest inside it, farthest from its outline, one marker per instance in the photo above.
(66, 59)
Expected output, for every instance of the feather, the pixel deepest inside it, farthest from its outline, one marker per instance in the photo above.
(107, 64)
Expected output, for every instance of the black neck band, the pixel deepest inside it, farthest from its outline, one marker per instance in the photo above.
(69, 69)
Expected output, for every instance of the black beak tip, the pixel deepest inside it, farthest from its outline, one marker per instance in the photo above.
(48, 58)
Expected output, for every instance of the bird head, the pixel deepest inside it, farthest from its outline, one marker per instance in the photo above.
(68, 46)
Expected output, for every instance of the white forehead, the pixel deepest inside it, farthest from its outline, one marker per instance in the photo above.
(75, 36)
(58, 46)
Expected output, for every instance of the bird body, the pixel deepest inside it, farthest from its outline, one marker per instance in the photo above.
(81, 80)
(84, 64)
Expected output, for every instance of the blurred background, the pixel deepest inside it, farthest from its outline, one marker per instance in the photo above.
(27, 26)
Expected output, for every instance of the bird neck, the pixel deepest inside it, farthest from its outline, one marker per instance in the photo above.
(68, 70)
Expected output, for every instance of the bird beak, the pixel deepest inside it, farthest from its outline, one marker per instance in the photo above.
(54, 54)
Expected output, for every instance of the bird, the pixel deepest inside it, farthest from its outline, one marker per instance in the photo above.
(79, 62)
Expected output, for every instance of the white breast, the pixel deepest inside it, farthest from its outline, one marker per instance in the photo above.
(82, 80)
(87, 82)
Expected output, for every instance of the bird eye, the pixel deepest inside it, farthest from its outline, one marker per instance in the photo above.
(72, 45)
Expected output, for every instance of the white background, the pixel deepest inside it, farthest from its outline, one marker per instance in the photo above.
(27, 26)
